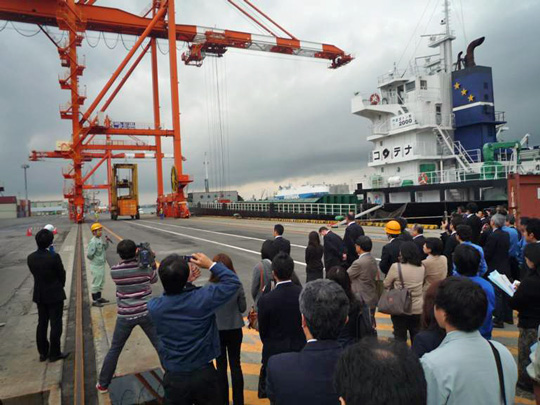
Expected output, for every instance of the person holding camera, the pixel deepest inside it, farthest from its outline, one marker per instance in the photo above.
(186, 326)
(133, 278)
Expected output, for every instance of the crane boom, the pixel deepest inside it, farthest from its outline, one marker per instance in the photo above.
(202, 40)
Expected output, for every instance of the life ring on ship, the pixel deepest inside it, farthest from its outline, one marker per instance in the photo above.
(423, 179)
(374, 99)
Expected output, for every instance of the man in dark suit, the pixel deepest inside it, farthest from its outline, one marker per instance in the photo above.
(474, 222)
(419, 239)
(307, 377)
(390, 251)
(280, 322)
(334, 248)
(49, 280)
(281, 244)
(449, 239)
(405, 235)
(497, 255)
(352, 232)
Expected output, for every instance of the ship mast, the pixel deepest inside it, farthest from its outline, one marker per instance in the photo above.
(444, 42)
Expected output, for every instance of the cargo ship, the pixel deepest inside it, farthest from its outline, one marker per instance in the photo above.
(437, 136)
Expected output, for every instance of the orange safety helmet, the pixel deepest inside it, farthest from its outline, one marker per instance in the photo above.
(392, 228)
(95, 226)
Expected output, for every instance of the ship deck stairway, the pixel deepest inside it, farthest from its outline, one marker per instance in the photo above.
(455, 149)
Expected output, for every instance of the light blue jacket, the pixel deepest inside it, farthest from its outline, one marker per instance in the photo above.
(483, 265)
(462, 370)
(514, 241)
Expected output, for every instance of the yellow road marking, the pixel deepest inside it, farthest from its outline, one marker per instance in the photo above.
(521, 400)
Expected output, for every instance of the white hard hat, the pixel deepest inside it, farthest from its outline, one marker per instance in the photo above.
(49, 227)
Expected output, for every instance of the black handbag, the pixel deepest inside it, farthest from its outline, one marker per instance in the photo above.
(396, 301)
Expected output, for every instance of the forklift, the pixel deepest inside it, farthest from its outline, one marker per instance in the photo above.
(124, 191)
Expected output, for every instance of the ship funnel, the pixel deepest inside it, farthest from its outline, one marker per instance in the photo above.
(469, 58)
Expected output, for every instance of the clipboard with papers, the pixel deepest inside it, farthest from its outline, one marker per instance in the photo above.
(501, 281)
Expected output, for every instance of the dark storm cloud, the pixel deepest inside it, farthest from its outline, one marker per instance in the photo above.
(285, 117)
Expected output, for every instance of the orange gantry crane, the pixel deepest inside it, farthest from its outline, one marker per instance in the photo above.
(77, 17)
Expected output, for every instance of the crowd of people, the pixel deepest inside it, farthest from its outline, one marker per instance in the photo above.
(319, 338)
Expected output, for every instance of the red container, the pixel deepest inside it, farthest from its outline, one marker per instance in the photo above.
(524, 195)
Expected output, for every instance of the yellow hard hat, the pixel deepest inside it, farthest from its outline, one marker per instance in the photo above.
(392, 228)
(95, 226)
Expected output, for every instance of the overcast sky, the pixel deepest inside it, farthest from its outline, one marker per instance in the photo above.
(285, 119)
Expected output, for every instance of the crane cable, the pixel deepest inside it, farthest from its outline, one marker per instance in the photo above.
(25, 35)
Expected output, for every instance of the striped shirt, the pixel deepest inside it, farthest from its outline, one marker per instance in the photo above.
(133, 288)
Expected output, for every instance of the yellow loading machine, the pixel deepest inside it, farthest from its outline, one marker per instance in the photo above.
(124, 191)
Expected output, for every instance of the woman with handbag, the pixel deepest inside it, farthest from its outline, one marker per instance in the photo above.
(230, 322)
(408, 275)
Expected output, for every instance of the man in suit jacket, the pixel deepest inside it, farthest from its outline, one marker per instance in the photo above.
(280, 322)
(496, 252)
(419, 239)
(334, 248)
(390, 251)
(307, 377)
(49, 280)
(281, 244)
(352, 232)
(405, 234)
(363, 273)
(449, 239)
(474, 222)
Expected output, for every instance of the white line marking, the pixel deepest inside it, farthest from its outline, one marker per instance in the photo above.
(218, 233)
(206, 240)
(222, 233)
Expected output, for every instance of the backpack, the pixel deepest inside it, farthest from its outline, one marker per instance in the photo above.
(145, 256)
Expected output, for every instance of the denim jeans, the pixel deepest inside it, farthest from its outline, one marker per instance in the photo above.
(122, 331)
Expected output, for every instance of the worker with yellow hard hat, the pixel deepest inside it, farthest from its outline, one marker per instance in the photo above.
(95, 252)
(390, 252)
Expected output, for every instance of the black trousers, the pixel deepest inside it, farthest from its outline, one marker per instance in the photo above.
(313, 274)
(404, 323)
(231, 342)
(49, 314)
(502, 311)
(199, 387)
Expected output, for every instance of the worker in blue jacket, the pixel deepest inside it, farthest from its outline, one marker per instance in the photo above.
(185, 321)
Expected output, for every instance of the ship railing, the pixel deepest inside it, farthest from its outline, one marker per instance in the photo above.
(454, 175)
(499, 116)
(395, 74)
(279, 207)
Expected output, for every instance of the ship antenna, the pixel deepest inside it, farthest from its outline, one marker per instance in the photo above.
(447, 16)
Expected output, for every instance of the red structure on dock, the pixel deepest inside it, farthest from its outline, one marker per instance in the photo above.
(91, 124)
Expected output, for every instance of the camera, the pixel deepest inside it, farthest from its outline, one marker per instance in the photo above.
(187, 258)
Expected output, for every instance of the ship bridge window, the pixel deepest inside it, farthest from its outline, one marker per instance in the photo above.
(486, 97)
(410, 86)
(423, 84)
(486, 86)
